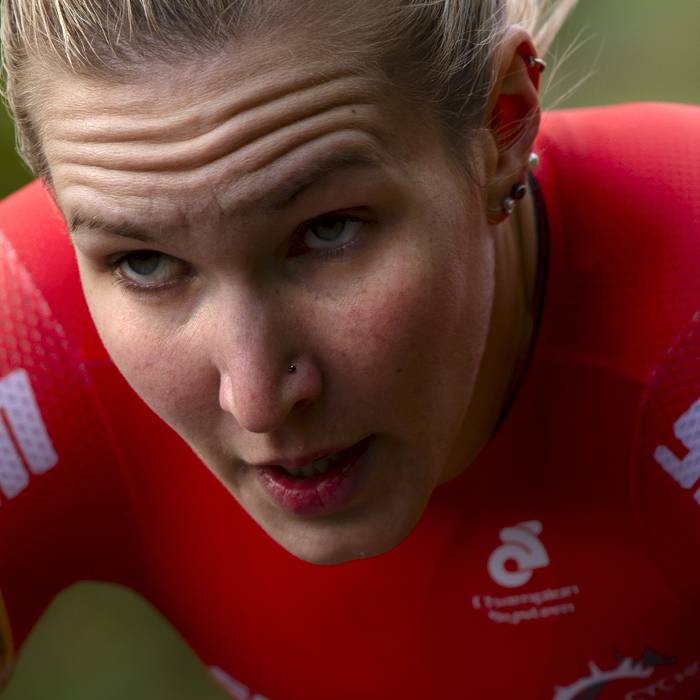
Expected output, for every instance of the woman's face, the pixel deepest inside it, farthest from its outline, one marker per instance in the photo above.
(239, 217)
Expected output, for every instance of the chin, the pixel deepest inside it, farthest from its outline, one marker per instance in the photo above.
(327, 544)
(331, 554)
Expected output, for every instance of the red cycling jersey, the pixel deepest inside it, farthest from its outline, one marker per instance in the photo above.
(563, 564)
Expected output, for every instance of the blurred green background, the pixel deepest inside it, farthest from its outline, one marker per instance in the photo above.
(100, 642)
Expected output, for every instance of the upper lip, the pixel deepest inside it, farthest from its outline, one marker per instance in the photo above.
(303, 460)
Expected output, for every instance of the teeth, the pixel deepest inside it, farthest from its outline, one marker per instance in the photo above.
(308, 470)
(320, 466)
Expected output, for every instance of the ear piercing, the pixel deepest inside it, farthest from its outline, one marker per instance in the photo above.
(507, 205)
(519, 190)
(517, 193)
(532, 61)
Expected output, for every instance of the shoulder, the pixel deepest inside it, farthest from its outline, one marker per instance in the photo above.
(30, 221)
(638, 166)
(66, 511)
(624, 137)
(621, 185)
(626, 161)
(37, 258)
(30, 203)
(621, 124)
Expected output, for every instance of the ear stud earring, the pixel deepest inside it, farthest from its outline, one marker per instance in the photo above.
(517, 193)
(533, 161)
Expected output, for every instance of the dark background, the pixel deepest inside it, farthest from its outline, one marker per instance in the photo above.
(99, 642)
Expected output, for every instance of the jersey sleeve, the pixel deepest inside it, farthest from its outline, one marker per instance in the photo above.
(666, 469)
(65, 506)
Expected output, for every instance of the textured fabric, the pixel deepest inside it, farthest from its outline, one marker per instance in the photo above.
(561, 565)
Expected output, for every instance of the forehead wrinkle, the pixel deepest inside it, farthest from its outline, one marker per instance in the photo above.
(227, 140)
(234, 135)
(281, 197)
(207, 114)
(258, 155)
(277, 197)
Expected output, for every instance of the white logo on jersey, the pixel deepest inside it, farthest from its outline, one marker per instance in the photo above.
(626, 668)
(234, 688)
(520, 544)
(19, 411)
(685, 471)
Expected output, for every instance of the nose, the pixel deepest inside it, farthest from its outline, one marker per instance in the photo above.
(263, 376)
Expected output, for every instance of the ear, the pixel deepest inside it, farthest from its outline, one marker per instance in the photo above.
(513, 119)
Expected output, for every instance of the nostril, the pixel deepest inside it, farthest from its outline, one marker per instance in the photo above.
(303, 403)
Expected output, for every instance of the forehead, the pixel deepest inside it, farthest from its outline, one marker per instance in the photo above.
(220, 125)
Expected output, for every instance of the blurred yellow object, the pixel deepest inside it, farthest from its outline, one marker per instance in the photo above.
(7, 650)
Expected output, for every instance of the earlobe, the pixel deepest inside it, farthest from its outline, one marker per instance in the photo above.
(513, 120)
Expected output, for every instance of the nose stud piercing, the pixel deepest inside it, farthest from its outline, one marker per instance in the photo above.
(518, 192)
(532, 61)
(292, 369)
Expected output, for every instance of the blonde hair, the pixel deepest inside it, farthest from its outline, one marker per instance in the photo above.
(438, 51)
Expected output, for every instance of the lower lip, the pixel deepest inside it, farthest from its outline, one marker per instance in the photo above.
(323, 494)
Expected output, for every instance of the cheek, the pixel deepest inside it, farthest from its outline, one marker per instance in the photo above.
(164, 366)
(404, 342)
(413, 336)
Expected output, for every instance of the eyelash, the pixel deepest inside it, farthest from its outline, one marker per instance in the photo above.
(329, 253)
(145, 289)
(160, 288)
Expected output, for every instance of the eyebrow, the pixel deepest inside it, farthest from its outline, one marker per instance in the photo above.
(276, 200)
(282, 197)
(79, 220)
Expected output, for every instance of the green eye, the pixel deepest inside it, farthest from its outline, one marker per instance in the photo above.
(150, 267)
(143, 264)
(329, 233)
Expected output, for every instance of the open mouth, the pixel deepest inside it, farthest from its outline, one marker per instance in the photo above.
(316, 468)
(320, 487)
